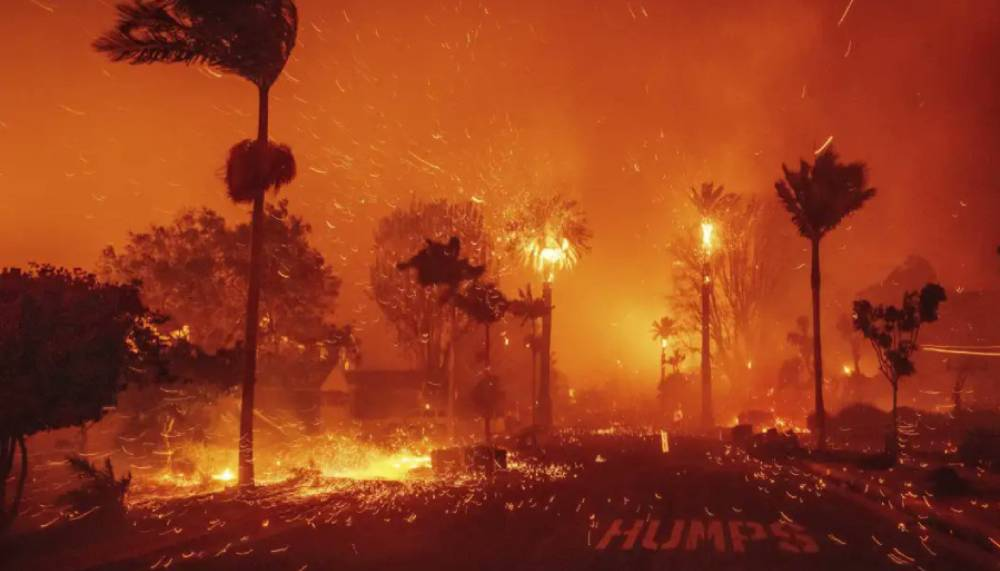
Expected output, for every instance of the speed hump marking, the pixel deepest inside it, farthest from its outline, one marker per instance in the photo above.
(693, 534)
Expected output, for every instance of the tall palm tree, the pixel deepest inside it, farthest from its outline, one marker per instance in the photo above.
(711, 202)
(550, 234)
(249, 38)
(819, 196)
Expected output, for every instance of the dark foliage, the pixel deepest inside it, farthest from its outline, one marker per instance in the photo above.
(195, 271)
(68, 345)
(253, 168)
(99, 489)
(893, 331)
(484, 303)
(249, 38)
(820, 195)
(440, 263)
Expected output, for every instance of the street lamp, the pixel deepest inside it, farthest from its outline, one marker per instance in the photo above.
(707, 416)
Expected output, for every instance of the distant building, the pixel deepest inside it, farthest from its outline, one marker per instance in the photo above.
(387, 394)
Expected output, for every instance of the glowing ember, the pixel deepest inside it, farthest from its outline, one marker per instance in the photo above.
(707, 229)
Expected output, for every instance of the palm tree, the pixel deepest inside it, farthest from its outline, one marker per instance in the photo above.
(531, 309)
(248, 38)
(818, 197)
(550, 234)
(711, 202)
(663, 330)
(485, 304)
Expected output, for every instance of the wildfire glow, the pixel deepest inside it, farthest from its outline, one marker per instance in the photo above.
(550, 255)
(226, 475)
(707, 228)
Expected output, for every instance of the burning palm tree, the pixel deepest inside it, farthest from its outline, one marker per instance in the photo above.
(248, 38)
(819, 196)
(711, 202)
(550, 234)
(663, 329)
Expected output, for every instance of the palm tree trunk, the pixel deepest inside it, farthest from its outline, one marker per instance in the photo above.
(544, 381)
(707, 412)
(451, 371)
(534, 372)
(246, 468)
(892, 446)
(818, 350)
(10, 446)
(487, 350)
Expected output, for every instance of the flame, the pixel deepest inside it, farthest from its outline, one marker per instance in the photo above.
(550, 255)
(226, 475)
(847, 369)
(707, 229)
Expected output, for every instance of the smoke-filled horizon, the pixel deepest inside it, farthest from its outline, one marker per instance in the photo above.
(623, 105)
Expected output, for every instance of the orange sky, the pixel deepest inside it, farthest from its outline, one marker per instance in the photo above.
(625, 104)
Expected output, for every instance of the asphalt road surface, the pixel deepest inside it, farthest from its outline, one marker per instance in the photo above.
(618, 502)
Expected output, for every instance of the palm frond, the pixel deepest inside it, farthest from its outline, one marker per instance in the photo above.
(249, 38)
(821, 195)
(252, 169)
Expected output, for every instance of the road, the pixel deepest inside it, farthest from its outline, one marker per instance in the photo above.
(618, 502)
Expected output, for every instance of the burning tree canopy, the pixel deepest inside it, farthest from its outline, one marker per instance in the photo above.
(549, 233)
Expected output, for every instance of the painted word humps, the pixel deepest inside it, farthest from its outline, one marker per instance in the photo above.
(689, 535)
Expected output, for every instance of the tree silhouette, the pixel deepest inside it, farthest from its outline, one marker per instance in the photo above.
(253, 40)
(894, 333)
(441, 264)
(485, 304)
(664, 328)
(712, 201)
(818, 197)
(68, 345)
(414, 311)
(964, 367)
(531, 309)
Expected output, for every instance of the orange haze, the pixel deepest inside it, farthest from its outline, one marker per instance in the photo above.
(624, 103)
